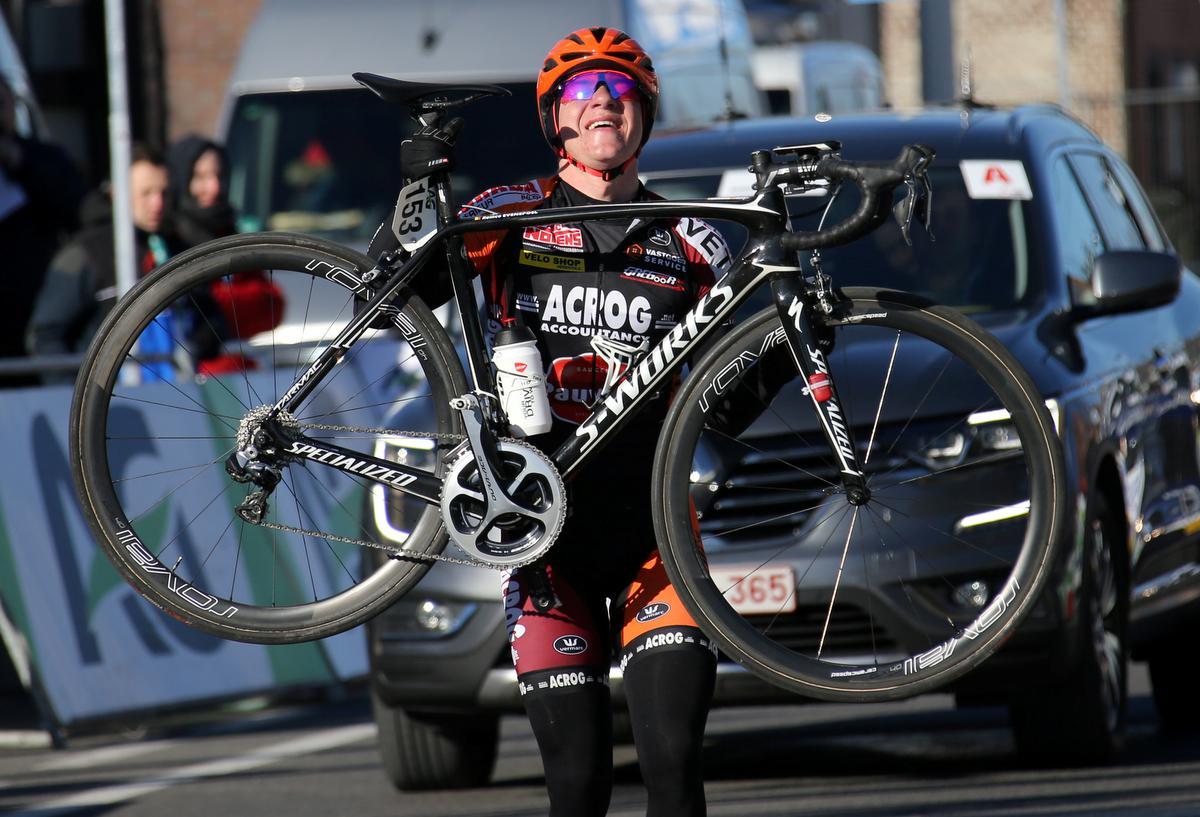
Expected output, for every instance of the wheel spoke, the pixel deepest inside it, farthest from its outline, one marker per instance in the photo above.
(837, 583)
(882, 395)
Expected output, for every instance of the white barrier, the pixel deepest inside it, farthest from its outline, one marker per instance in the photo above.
(95, 648)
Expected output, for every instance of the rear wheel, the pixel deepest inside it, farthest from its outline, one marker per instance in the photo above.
(151, 432)
(849, 597)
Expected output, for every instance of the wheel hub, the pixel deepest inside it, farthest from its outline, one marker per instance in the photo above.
(857, 495)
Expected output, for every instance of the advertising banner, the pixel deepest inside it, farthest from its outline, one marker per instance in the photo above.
(98, 649)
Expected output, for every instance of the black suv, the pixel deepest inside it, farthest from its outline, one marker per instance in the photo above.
(1045, 237)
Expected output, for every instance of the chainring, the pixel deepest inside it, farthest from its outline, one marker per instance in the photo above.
(508, 539)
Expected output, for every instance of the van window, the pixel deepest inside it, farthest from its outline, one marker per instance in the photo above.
(979, 261)
(1136, 198)
(1079, 240)
(328, 162)
(1117, 219)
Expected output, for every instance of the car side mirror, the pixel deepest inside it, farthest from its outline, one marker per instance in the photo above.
(1129, 280)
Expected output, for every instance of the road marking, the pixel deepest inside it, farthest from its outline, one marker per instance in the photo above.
(25, 738)
(97, 757)
(123, 792)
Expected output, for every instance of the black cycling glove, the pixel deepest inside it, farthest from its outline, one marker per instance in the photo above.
(429, 150)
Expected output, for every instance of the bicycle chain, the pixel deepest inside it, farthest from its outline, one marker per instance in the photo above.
(457, 439)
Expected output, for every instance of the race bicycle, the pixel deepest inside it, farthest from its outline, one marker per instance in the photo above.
(905, 470)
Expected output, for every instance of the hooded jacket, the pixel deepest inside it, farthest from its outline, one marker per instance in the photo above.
(250, 302)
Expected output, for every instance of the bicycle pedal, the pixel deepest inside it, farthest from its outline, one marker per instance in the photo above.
(545, 600)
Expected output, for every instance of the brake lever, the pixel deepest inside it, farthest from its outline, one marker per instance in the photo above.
(925, 203)
(903, 210)
(917, 200)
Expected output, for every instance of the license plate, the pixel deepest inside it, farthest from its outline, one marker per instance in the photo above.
(754, 590)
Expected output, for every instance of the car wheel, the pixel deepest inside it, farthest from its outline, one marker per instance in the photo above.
(1081, 718)
(436, 751)
(1173, 679)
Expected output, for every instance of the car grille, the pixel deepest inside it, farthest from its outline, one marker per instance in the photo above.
(852, 631)
(767, 496)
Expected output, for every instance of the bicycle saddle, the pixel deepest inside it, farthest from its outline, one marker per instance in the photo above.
(428, 96)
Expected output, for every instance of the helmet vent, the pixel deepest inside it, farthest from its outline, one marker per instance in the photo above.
(574, 38)
(620, 38)
(598, 32)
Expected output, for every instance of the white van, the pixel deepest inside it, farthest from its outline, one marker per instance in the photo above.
(831, 77)
(313, 152)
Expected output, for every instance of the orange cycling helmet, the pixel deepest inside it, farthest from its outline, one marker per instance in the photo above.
(599, 47)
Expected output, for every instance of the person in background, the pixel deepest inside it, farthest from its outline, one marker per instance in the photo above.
(40, 194)
(80, 285)
(198, 207)
(198, 210)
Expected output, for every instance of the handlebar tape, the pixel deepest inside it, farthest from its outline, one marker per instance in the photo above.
(876, 184)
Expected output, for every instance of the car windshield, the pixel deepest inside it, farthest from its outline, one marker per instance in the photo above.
(977, 263)
(328, 162)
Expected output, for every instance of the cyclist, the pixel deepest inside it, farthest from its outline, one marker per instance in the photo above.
(623, 281)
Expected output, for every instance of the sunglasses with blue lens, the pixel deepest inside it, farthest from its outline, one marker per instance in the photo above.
(583, 86)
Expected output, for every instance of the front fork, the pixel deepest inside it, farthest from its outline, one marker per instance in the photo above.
(796, 305)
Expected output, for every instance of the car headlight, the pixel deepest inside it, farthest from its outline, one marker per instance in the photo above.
(422, 619)
(988, 432)
(395, 513)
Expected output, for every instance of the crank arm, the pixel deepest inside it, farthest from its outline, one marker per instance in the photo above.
(483, 446)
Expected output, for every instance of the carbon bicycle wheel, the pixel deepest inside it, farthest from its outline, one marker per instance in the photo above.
(868, 600)
(174, 369)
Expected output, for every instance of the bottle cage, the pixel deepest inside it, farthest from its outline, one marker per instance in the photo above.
(618, 358)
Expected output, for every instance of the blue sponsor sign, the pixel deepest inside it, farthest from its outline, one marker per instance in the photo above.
(95, 647)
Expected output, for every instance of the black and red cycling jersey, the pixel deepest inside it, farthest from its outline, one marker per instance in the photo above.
(625, 279)
(629, 280)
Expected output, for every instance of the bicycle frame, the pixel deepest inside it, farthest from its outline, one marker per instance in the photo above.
(763, 258)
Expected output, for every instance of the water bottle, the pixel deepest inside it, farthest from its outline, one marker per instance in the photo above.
(521, 381)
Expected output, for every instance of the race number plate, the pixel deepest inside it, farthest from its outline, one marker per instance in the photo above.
(415, 219)
(754, 590)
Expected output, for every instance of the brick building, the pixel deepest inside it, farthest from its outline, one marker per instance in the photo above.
(1132, 74)
(201, 41)
(1014, 54)
(179, 57)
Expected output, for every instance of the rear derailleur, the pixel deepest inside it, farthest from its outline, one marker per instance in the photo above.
(258, 460)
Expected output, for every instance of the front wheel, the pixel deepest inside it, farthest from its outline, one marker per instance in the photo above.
(173, 373)
(850, 597)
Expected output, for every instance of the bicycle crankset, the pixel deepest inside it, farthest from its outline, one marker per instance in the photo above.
(510, 511)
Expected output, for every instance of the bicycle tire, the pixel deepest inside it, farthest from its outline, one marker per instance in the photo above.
(870, 617)
(148, 460)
